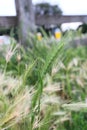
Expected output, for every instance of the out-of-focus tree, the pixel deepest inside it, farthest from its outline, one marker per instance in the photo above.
(46, 8)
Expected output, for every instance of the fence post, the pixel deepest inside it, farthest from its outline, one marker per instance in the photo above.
(25, 19)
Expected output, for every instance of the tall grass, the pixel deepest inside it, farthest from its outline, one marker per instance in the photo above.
(42, 87)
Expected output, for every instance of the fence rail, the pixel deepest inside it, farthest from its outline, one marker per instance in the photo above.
(7, 22)
(56, 19)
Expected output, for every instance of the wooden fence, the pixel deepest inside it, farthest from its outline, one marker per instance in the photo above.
(7, 22)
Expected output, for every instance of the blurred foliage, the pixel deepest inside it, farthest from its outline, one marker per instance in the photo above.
(83, 28)
(46, 8)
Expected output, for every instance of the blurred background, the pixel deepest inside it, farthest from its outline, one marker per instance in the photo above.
(63, 15)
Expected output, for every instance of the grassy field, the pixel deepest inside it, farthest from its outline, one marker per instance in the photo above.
(43, 87)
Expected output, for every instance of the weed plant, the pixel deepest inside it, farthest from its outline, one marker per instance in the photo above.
(43, 87)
